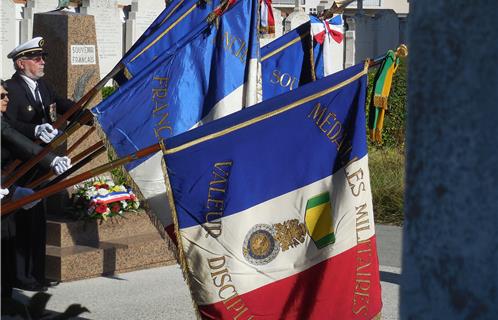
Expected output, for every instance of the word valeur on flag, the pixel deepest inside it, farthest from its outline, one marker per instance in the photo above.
(211, 74)
(274, 210)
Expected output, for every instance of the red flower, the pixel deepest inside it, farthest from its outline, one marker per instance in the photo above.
(102, 186)
(133, 197)
(101, 208)
(115, 208)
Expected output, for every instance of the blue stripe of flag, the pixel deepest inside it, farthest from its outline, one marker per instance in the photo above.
(269, 158)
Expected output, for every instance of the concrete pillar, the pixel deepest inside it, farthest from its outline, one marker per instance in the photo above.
(450, 246)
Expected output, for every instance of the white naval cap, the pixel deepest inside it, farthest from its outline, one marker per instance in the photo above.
(33, 47)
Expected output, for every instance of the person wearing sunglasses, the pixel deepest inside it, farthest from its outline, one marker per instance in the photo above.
(34, 104)
(16, 146)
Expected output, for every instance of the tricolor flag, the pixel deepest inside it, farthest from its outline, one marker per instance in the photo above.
(209, 76)
(274, 209)
(266, 20)
(328, 38)
(287, 62)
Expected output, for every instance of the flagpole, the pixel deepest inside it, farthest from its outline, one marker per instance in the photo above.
(50, 190)
(87, 158)
(80, 140)
(74, 160)
(52, 146)
(80, 105)
(401, 51)
(336, 9)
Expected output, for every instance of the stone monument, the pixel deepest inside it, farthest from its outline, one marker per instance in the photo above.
(81, 249)
(72, 65)
(450, 256)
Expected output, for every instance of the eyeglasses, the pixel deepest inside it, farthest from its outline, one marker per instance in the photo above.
(36, 59)
(3, 96)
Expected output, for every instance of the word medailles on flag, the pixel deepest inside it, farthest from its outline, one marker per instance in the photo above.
(273, 207)
(211, 74)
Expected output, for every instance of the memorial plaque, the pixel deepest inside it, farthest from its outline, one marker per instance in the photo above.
(83, 54)
(109, 28)
(142, 14)
(8, 35)
(147, 12)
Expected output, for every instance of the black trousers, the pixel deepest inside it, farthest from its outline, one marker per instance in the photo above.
(8, 254)
(31, 226)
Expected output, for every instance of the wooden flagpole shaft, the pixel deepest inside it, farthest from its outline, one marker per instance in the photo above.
(74, 160)
(50, 190)
(80, 140)
(335, 9)
(401, 51)
(11, 167)
(89, 157)
(54, 144)
(80, 105)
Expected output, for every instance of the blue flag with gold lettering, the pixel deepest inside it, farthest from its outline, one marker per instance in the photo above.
(274, 207)
(178, 22)
(213, 73)
(287, 62)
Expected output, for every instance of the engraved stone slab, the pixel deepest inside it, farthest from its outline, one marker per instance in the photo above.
(142, 14)
(109, 28)
(8, 35)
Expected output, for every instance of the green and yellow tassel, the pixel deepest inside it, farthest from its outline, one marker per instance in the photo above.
(380, 94)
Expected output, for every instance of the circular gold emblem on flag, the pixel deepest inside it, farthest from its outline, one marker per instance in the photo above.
(260, 246)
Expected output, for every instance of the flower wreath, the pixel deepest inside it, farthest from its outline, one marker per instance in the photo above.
(100, 199)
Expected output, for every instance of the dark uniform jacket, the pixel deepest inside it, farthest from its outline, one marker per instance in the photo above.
(14, 262)
(24, 113)
(16, 146)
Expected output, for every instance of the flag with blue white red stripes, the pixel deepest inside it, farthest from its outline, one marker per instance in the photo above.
(328, 36)
(274, 210)
(211, 74)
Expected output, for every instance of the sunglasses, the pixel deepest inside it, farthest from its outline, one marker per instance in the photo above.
(36, 59)
(3, 95)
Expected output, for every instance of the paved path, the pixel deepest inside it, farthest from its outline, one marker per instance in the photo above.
(160, 293)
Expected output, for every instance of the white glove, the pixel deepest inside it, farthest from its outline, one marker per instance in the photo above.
(60, 165)
(45, 132)
(3, 193)
(21, 192)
